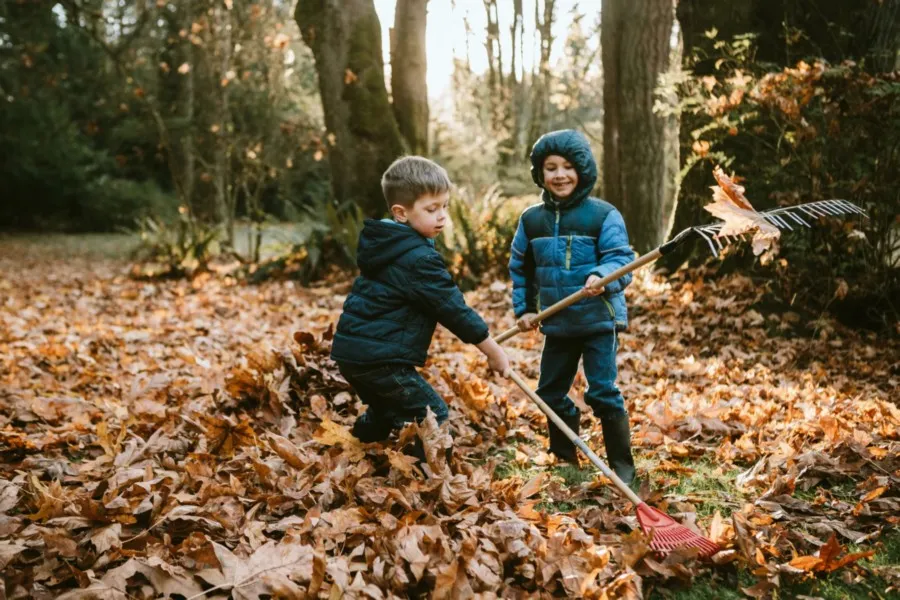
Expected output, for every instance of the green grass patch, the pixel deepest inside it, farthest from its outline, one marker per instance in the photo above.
(573, 475)
(842, 585)
(84, 245)
(710, 487)
(508, 466)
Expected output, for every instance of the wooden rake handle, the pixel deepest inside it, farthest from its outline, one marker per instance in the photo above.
(569, 301)
(620, 485)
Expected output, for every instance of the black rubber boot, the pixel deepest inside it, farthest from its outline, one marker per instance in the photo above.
(617, 437)
(560, 445)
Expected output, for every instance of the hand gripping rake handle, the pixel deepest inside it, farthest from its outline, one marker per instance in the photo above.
(620, 272)
(620, 485)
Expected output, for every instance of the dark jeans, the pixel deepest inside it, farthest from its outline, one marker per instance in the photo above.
(559, 364)
(395, 394)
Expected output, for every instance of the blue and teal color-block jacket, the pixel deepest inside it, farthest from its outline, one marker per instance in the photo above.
(558, 245)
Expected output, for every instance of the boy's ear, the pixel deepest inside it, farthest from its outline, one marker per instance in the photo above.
(398, 211)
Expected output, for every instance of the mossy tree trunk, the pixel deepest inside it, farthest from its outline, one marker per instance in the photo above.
(408, 70)
(345, 38)
(637, 144)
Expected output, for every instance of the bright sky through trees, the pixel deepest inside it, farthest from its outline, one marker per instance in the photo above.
(446, 34)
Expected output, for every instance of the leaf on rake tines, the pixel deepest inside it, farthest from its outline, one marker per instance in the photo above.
(738, 215)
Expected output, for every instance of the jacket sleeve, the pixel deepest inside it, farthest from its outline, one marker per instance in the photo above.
(614, 250)
(434, 289)
(521, 271)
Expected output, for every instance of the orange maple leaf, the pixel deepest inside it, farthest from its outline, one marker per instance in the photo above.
(738, 215)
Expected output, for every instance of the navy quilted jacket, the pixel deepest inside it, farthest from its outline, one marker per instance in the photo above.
(558, 245)
(403, 291)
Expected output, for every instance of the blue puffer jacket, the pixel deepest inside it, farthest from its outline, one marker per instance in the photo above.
(558, 245)
(403, 291)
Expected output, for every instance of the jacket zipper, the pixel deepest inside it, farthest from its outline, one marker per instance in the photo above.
(569, 253)
(609, 307)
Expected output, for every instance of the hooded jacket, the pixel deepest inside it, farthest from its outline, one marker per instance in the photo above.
(403, 291)
(558, 245)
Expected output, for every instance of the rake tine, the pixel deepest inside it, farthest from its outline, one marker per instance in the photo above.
(708, 241)
(771, 220)
(784, 221)
(839, 205)
(818, 212)
(844, 206)
(830, 208)
(712, 228)
(805, 209)
(854, 208)
(833, 210)
(796, 218)
(780, 223)
(814, 206)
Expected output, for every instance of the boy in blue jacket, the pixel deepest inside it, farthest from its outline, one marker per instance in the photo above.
(402, 292)
(562, 245)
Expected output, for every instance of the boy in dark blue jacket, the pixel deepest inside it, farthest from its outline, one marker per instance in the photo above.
(403, 291)
(562, 245)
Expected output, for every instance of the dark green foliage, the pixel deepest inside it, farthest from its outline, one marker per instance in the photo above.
(95, 129)
(178, 248)
(801, 134)
(57, 152)
(478, 243)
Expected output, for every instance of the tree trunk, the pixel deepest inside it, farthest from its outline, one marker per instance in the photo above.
(540, 84)
(345, 38)
(515, 107)
(636, 47)
(223, 181)
(408, 69)
(187, 139)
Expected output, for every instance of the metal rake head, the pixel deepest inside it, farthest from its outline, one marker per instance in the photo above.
(781, 218)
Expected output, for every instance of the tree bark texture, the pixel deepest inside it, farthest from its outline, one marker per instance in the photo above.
(636, 47)
(345, 38)
(408, 70)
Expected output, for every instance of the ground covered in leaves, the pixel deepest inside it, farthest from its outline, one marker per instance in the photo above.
(190, 439)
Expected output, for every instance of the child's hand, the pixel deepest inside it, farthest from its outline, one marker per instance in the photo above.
(499, 363)
(590, 290)
(497, 359)
(527, 322)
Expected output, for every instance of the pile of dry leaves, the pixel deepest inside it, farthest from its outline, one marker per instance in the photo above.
(190, 439)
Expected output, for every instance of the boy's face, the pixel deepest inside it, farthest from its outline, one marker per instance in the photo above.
(560, 176)
(428, 214)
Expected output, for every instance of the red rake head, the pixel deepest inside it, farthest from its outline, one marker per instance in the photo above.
(666, 534)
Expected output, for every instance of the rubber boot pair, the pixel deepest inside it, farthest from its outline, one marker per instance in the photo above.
(616, 436)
